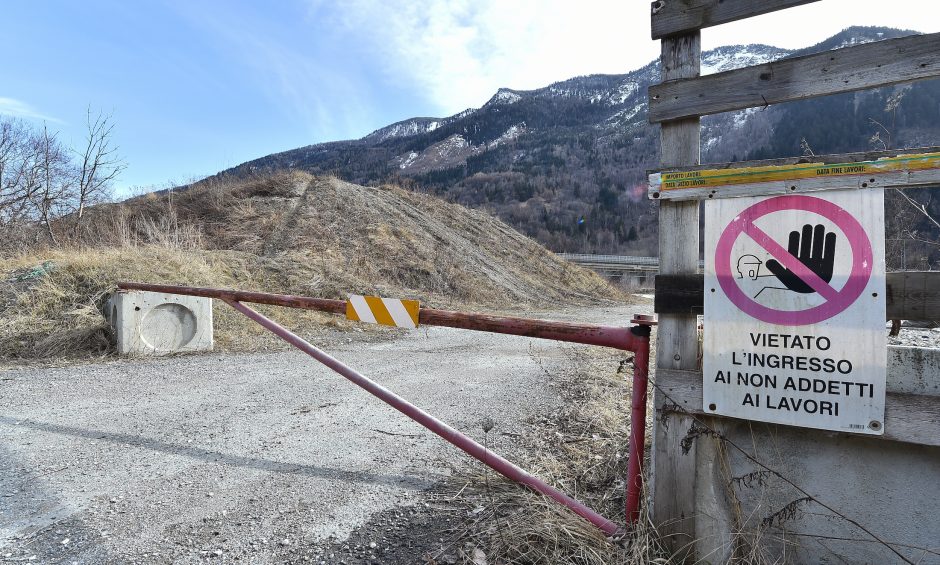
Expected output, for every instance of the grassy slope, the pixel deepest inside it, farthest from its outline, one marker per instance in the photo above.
(288, 233)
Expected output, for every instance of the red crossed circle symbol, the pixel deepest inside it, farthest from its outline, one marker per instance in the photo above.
(836, 300)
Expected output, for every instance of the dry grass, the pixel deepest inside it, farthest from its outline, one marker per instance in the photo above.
(59, 315)
(581, 448)
(289, 233)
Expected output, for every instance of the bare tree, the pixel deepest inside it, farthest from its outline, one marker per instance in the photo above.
(890, 107)
(55, 180)
(18, 170)
(100, 163)
(42, 180)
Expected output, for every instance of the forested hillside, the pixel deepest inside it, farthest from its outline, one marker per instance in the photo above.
(567, 163)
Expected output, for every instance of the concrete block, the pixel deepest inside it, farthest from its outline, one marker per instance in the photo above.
(152, 323)
(914, 370)
(889, 487)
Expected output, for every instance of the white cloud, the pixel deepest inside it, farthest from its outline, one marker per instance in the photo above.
(20, 109)
(807, 25)
(460, 51)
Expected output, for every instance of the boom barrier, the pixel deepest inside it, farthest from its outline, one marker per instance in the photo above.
(635, 339)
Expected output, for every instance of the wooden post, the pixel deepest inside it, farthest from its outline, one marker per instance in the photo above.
(673, 488)
(678, 102)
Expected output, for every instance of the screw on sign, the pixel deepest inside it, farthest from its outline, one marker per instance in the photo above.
(794, 317)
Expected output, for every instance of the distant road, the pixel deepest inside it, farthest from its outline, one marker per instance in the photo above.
(614, 264)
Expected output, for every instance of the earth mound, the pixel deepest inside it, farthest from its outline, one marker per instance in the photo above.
(282, 232)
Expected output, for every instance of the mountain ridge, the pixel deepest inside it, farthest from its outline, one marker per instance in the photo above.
(566, 163)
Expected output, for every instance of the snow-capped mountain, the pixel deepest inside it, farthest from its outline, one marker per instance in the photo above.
(546, 159)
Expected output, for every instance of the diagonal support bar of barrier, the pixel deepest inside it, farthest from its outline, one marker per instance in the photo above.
(472, 448)
(635, 339)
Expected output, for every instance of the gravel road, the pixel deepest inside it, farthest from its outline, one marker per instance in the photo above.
(248, 457)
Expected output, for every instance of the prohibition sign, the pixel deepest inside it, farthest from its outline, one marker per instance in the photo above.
(836, 300)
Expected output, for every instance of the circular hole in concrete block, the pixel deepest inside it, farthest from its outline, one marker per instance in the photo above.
(168, 327)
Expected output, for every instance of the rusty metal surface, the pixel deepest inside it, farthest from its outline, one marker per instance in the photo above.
(588, 334)
(287, 300)
(641, 362)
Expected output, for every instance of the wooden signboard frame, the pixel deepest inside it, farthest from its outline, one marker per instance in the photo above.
(677, 104)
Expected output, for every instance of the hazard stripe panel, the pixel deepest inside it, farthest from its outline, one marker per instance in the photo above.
(384, 311)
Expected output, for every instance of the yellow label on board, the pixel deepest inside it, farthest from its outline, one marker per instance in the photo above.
(707, 178)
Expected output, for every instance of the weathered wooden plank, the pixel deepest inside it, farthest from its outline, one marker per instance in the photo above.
(670, 17)
(911, 295)
(909, 418)
(673, 500)
(899, 171)
(679, 294)
(859, 67)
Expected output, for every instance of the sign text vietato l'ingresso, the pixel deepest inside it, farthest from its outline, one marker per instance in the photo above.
(795, 310)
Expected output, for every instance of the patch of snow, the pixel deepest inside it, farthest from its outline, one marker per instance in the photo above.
(403, 129)
(728, 58)
(412, 127)
(740, 118)
(856, 41)
(627, 113)
(408, 161)
(504, 96)
(710, 142)
(564, 92)
(512, 133)
(624, 91)
(451, 145)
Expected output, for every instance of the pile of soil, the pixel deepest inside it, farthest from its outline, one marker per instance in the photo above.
(284, 232)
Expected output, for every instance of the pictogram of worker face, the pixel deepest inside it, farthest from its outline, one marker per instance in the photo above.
(749, 267)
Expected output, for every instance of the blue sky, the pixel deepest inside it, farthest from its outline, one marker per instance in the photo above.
(197, 86)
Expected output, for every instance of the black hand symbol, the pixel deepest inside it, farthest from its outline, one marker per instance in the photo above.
(810, 251)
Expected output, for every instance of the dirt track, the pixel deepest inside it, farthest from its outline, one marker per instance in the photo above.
(255, 457)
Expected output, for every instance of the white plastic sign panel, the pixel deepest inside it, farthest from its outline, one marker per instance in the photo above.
(795, 310)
